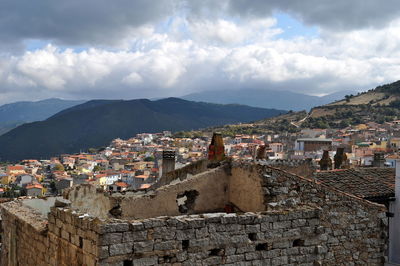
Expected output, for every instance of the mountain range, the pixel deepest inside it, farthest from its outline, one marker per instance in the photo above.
(18, 113)
(283, 100)
(96, 123)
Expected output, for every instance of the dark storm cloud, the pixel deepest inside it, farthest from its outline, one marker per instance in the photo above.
(329, 14)
(105, 22)
(77, 21)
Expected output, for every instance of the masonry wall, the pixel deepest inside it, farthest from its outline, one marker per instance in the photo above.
(89, 199)
(65, 238)
(182, 173)
(303, 222)
(211, 188)
(275, 238)
(24, 239)
(353, 229)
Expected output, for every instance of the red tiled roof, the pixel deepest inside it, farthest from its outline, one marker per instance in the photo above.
(121, 184)
(145, 186)
(362, 182)
(16, 168)
(34, 186)
(142, 176)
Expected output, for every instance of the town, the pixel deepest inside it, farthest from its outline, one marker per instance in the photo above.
(138, 162)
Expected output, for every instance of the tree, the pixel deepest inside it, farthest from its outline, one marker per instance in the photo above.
(97, 168)
(59, 167)
(149, 159)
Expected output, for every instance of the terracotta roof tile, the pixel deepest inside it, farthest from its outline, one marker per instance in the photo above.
(361, 182)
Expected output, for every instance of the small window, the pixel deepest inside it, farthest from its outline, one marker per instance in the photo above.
(253, 236)
(262, 246)
(128, 263)
(298, 243)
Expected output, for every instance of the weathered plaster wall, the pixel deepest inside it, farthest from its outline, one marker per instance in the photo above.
(246, 190)
(182, 173)
(212, 188)
(89, 199)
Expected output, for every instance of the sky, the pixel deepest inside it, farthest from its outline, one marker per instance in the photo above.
(126, 49)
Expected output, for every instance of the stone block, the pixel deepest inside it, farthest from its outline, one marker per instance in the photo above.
(185, 234)
(121, 249)
(141, 247)
(111, 238)
(167, 245)
(137, 226)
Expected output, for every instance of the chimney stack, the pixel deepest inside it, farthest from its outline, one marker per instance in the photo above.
(379, 159)
(340, 158)
(168, 162)
(326, 162)
(216, 150)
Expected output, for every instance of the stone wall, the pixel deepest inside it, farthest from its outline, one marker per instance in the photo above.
(295, 221)
(352, 229)
(24, 239)
(182, 173)
(210, 188)
(273, 238)
(304, 168)
(65, 238)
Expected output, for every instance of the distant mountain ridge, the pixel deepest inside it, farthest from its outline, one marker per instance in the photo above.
(96, 123)
(283, 100)
(14, 114)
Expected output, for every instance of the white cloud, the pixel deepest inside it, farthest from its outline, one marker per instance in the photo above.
(213, 54)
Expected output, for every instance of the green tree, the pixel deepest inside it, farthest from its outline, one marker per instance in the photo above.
(59, 167)
(149, 159)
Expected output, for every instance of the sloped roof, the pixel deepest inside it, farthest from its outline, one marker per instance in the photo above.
(362, 182)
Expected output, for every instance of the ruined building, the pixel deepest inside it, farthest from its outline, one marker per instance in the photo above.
(275, 218)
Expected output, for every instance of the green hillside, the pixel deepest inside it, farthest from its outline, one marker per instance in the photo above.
(96, 123)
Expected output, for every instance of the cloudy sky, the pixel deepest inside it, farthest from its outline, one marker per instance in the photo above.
(83, 49)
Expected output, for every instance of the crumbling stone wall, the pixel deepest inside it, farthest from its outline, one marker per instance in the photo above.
(304, 168)
(273, 238)
(303, 222)
(242, 184)
(89, 199)
(211, 190)
(208, 191)
(25, 239)
(65, 238)
(352, 229)
(182, 173)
